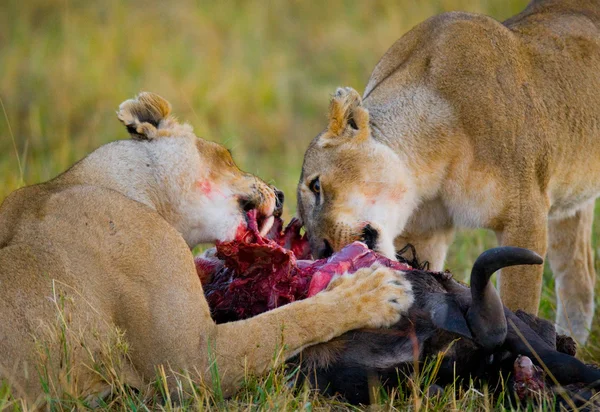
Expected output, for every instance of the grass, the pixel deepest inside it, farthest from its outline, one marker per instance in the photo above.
(280, 389)
(251, 75)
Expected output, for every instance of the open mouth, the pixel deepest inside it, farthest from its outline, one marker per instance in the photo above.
(265, 223)
(368, 235)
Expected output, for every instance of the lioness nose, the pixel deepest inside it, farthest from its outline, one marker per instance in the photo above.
(279, 198)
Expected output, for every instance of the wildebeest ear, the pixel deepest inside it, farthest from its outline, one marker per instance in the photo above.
(544, 328)
(446, 314)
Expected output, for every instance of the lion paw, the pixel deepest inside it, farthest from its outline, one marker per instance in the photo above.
(377, 295)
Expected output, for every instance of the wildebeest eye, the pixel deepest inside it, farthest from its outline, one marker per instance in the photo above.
(315, 186)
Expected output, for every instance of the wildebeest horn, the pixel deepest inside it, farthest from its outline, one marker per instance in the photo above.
(485, 316)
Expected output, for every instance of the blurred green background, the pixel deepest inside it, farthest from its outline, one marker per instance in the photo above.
(253, 75)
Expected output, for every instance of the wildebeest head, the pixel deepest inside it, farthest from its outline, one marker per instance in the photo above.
(478, 336)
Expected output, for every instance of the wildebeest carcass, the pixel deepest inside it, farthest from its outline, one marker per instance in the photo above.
(480, 338)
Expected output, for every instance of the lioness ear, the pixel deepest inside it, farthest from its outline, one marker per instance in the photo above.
(143, 115)
(347, 116)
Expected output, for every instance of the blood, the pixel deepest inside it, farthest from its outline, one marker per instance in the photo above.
(528, 378)
(253, 274)
(205, 186)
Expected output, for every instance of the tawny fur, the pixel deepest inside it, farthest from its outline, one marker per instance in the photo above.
(106, 246)
(475, 123)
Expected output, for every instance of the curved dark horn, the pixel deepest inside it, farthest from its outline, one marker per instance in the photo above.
(485, 316)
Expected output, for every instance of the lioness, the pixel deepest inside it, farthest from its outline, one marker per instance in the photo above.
(468, 122)
(107, 244)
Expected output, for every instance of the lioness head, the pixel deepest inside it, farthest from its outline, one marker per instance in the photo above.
(351, 183)
(193, 183)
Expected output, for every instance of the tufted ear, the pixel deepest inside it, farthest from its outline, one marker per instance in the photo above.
(143, 115)
(347, 116)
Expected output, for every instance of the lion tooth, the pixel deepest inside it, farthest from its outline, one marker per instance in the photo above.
(267, 225)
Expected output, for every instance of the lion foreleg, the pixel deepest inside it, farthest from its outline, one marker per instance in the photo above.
(521, 286)
(572, 262)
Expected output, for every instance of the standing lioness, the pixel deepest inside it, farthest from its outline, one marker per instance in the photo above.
(468, 122)
(107, 244)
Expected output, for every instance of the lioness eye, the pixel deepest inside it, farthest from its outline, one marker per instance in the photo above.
(315, 186)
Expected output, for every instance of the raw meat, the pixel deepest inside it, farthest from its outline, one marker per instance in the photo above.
(252, 274)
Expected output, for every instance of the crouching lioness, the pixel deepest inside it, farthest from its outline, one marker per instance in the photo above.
(107, 244)
(468, 122)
